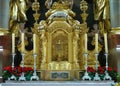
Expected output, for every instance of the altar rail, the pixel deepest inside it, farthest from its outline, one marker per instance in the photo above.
(58, 83)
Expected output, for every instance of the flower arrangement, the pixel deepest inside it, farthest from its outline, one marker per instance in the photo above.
(101, 72)
(8, 72)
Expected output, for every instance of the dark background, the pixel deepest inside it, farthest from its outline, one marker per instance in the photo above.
(76, 9)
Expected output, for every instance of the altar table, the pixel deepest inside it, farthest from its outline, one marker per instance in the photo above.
(58, 83)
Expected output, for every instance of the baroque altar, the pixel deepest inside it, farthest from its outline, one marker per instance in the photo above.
(60, 43)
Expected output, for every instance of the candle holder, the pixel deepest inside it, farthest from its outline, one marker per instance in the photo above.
(107, 76)
(86, 76)
(22, 77)
(13, 76)
(96, 78)
(34, 77)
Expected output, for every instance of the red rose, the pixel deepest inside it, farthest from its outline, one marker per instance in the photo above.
(19, 70)
(109, 69)
(101, 72)
(100, 69)
(29, 69)
(8, 68)
(90, 69)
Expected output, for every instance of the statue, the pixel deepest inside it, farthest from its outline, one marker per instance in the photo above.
(18, 16)
(48, 3)
(102, 14)
(70, 3)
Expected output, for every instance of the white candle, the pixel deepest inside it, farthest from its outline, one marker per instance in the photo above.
(105, 42)
(85, 43)
(22, 43)
(96, 43)
(13, 43)
(34, 43)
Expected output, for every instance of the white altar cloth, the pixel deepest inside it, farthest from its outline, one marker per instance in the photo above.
(58, 83)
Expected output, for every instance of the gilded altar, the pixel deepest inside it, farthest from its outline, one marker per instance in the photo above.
(60, 43)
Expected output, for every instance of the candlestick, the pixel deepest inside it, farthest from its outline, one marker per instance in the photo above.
(96, 43)
(86, 75)
(105, 41)
(96, 78)
(22, 39)
(107, 76)
(34, 43)
(13, 43)
(34, 77)
(22, 77)
(85, 43)
(13, 77)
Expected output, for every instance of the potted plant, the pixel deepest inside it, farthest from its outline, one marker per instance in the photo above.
(101, 72)
(8, 72)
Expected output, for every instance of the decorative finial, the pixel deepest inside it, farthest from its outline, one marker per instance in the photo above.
(36, 15)
(84, 7)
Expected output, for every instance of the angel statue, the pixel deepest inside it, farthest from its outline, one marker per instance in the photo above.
(48, 3)
(17, 16)
(69, 2)
(102, 14)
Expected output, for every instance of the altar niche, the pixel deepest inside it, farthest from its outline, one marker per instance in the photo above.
(59, 46)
